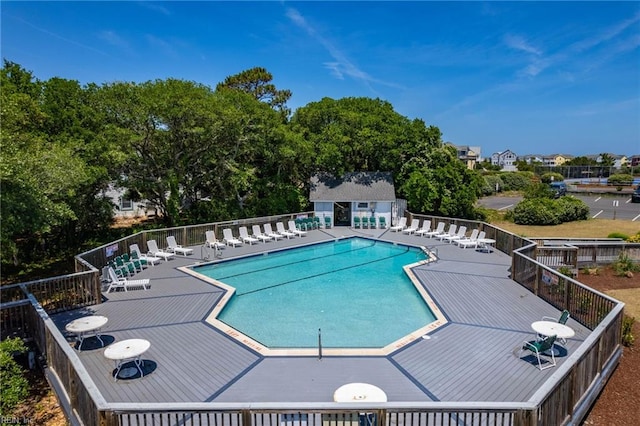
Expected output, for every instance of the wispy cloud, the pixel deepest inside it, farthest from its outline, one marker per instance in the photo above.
(604, 35)
(605, 45)
(155, 7)
(605, 108)
(164, 46)
(519, 43)
(341, 66)
(114, 39)
(59, 37)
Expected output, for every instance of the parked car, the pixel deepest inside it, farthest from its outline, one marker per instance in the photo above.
(559, 189)
(635, 196)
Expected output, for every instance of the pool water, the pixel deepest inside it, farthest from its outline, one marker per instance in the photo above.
(354, 290)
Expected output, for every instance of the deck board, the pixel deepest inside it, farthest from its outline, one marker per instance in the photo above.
(472, 358)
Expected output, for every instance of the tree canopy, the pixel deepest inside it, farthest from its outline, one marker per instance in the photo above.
(197, 154)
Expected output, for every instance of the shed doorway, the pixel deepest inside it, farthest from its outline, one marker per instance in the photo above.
(342, 214)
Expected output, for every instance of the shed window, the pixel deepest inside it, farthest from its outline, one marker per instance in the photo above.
(126, 204)
(362, 206)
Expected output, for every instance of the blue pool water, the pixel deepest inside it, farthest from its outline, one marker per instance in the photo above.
(354, 290)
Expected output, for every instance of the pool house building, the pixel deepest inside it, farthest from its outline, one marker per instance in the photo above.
(362, 199)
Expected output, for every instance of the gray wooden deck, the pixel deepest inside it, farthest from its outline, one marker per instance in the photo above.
(472, 358)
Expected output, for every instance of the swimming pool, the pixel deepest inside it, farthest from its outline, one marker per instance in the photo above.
(354, 290)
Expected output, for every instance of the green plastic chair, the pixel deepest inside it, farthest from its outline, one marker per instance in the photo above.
(383, 222)
(564, 317)
(327, 222)
(372, 222)
(541, 347)
(356, 222)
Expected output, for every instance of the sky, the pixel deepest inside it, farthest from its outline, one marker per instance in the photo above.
(533, 77)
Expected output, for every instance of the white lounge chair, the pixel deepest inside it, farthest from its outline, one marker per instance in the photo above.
(156, 252)
(415, 225)
(470, 241)
(229, 239)
(136, 254)
(257, 233)
(269, 232)
(212, 241)
(439, 230)
(119, 282)
(295, 230)
(280, 229)
(453, 228)
(462, 231)
(402, 223)
(245, 237)
(174, 247)
(426, 227)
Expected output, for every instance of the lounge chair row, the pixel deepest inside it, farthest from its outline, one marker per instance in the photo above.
(453, 235)
(257, 234)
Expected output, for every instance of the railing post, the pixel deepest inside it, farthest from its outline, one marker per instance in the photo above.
(246, 417)
(107, 418)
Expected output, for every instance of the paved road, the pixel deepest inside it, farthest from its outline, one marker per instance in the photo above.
(603, 206)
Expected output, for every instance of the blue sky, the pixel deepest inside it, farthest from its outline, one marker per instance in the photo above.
(533, 77)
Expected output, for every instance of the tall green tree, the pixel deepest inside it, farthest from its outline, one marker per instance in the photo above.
(257, 82)
(39, 176)
(438, 183)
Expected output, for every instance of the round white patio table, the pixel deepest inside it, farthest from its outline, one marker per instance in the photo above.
(553, 328)
(359, 392)
(86, 326)
(125, 351)
(485, 244)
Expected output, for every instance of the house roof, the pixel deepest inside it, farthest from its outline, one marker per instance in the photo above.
(360, 186)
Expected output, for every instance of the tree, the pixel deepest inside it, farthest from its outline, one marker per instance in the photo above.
(606, 160)
(15, 387)
(201, 154)
(38, 174)
(257, 83)
(361, 134)
(440, 184)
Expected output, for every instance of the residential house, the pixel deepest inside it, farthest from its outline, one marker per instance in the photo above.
(469, 155)
(531, 158)
(555, 160)
(505, 159)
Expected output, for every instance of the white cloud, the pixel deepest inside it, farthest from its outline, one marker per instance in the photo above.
(519, 43)
(341, 66)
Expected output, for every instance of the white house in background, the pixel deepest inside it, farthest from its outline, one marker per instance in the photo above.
(124, 207)
(505, 159)
(531, 158)
(361, 194)
(618, 160)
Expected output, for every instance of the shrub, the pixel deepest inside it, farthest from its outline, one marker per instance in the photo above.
(516, 181)
(538, 190)
(489, 185)
(634, 238)
(536, 211)
(618, 235)
(546, 177)
(627, 327)
(624, 265)
(620, 179)
(14, 386)
(572, 209)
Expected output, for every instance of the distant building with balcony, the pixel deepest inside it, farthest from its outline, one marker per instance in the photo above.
(469, 155)
(554, 160)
